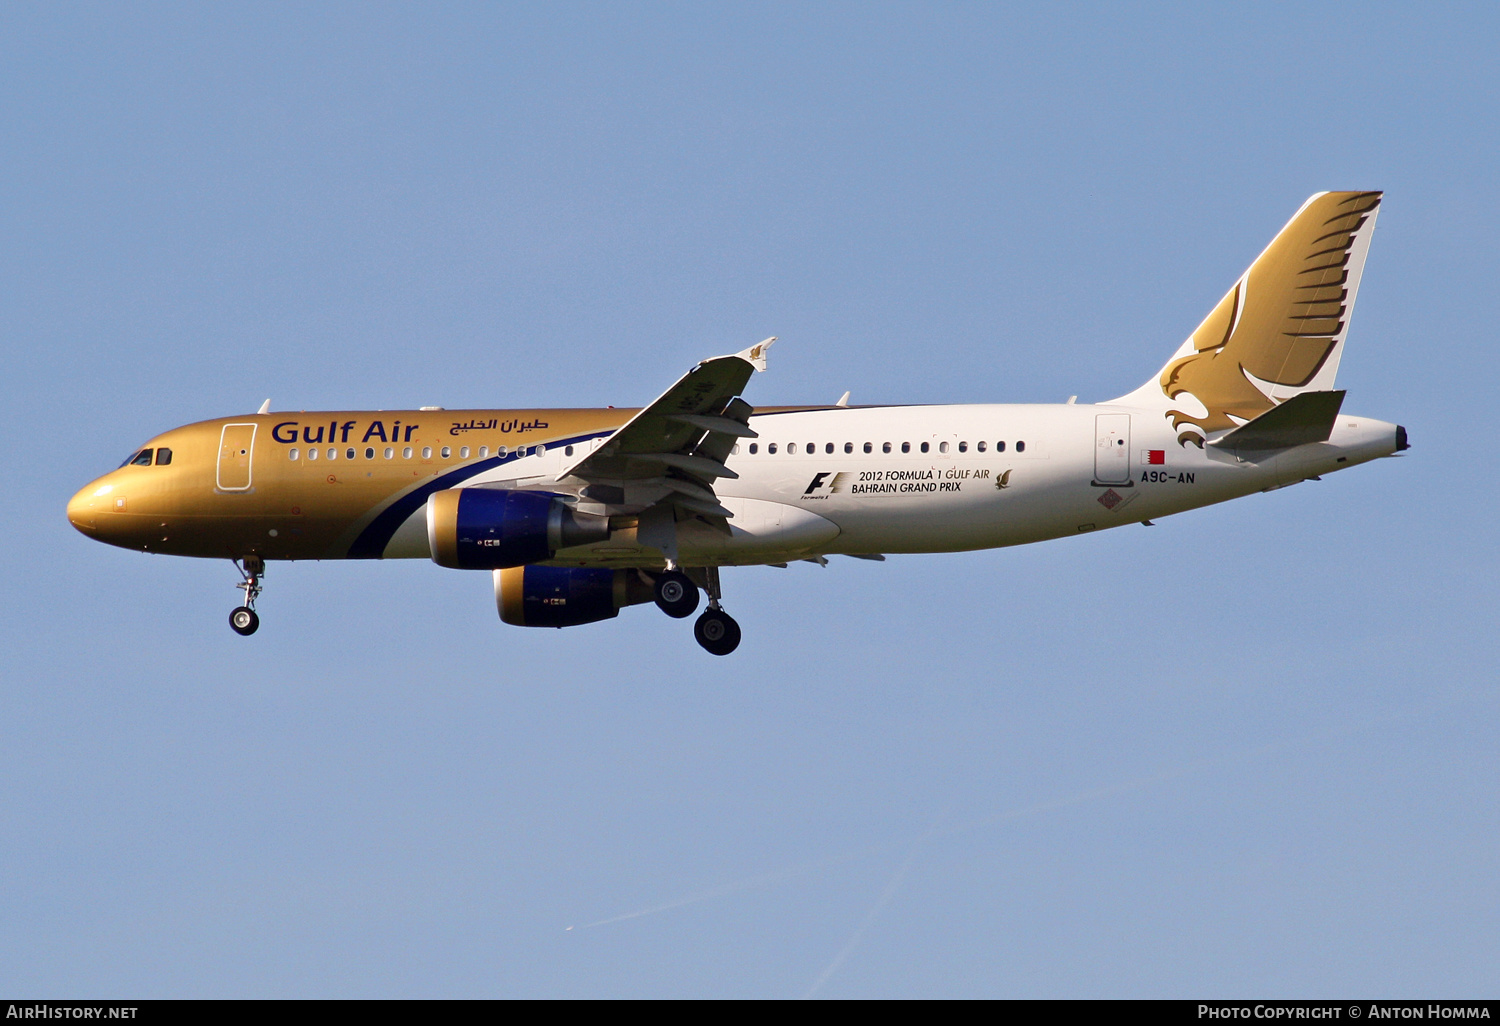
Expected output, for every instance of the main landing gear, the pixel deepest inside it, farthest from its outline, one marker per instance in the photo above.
(717, 632)
(243, 619)
(677, 596)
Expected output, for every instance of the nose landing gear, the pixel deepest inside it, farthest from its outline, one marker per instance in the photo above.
(243, 619)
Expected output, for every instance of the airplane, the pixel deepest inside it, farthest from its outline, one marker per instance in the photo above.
(578, 513)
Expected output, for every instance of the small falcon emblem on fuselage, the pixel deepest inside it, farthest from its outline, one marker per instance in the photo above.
(1003, 481)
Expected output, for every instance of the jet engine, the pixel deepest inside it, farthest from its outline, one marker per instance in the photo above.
(559, 596)
(493, 528)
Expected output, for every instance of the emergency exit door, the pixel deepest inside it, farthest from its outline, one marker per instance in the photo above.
(1112, 449)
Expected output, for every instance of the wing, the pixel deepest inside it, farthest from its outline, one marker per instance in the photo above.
(671, 453)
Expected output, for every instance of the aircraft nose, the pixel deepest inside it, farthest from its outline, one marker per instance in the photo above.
(84, 507)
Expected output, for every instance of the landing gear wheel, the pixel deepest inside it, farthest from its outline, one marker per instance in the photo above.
(676, 594)
(244, 621)
(717, 632)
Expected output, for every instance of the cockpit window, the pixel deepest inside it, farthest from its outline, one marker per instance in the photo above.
(163, 457)
(142, 459)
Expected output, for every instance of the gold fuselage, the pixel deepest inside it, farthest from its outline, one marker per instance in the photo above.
(213, 500)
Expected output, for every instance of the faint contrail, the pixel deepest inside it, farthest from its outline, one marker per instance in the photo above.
(885, 896)
(1091, 794)
(738, 885)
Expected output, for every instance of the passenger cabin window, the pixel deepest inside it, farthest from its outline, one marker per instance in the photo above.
(142, 459)
(427, 452)
(291, 454)
(333, 454)
(1020, 447)
(312, 454)
(999, 446)
(886, 447)
(447, 452)
(963, 446)
(980, 447)
(390, 453)
(484, 451)
(771, 448)
(869, 447)
(924, 446)
(370, 453)
(568, 450)
(791, 447)
(501, 451)
(348, 454)
(754, 448)
(406, 453)
(828, 448)
(163, 457)
(942, 447)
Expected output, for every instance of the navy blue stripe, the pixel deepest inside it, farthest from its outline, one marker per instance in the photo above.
(377, 534)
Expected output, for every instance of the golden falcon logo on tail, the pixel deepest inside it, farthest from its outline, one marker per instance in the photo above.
(1279, 324)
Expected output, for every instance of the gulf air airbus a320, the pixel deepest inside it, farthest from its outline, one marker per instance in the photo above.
(578, 513)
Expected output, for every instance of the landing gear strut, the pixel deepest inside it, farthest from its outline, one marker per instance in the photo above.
(243, 619)
(716, 630)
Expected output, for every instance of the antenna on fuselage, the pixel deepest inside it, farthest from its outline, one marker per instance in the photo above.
(265, 408)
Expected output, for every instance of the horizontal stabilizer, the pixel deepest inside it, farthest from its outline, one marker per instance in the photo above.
(1304, 418)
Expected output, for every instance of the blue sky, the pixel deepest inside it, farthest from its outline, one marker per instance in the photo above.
(1248, 752)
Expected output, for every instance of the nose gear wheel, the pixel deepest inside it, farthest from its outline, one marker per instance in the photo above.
(243, 620)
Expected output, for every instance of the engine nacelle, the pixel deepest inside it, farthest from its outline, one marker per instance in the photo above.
(559, 596)
(492, 528)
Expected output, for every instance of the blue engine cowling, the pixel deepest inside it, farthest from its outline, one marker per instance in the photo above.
(558, 596)
(493, 528)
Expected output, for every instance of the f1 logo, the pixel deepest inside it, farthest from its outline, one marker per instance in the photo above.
(817, 482)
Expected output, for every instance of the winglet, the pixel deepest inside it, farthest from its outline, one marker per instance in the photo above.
(265, 408)
(756, 354)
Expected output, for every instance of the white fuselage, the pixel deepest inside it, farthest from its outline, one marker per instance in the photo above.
(1063, 470)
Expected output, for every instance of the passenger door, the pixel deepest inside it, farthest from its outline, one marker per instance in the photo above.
(236, 447)
(1112, 449)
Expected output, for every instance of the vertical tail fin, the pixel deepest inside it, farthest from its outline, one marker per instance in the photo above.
(1280, 330)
